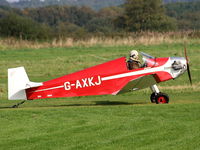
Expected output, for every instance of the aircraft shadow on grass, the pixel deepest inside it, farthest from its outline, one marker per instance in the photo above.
(5, 107)
(99, 103)
(96, 103)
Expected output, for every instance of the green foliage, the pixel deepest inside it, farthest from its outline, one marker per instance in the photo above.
(53, 15)
(103, 25)
(5, 10)
(142, 15)
(24, 28)
(74, 21)
(187, 14)
(65, 29)
(95, 4)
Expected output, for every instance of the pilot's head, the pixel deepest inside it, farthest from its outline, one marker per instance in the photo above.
(134, 55)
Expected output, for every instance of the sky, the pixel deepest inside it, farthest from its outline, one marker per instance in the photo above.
(16, 1)
(12, 0)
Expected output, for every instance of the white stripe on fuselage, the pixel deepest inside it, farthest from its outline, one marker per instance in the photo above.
(140, 72)
(57, 87)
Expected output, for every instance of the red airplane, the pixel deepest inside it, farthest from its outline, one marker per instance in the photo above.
(112, 77)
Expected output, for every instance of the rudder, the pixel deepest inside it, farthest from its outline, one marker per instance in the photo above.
(17, 80)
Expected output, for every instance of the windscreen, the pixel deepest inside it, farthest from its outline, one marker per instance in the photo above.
(148, 60)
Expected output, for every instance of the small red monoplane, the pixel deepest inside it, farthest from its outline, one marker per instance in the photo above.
(112, 77)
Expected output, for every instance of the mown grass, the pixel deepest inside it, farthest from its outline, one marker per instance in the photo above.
(109, 127)
(127, 121)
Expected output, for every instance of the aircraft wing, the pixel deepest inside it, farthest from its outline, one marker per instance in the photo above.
(139, 83)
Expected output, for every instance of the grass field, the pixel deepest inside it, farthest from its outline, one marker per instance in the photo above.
(127, 121)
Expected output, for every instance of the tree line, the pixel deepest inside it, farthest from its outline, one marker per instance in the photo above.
(80, 22)
(187, 15)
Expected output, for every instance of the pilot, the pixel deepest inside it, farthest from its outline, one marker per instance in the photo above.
(134, 62)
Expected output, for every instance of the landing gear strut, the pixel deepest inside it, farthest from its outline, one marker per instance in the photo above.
(158, 97)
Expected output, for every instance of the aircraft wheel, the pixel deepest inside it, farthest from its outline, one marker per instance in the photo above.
(153, 97)
(162, 98)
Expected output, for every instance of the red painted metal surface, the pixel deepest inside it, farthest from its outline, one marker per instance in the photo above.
(106, 78)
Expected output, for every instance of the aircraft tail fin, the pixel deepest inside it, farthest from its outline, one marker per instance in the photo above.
(18, 82)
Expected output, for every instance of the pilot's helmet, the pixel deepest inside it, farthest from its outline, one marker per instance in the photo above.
(134, 55)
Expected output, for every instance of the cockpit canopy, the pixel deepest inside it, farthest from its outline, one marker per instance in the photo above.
(150, 61)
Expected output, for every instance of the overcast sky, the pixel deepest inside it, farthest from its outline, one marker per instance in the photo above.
(17, 0)
(12, 0)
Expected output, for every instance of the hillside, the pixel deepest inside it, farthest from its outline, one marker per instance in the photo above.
(95, 4)
(175, 1)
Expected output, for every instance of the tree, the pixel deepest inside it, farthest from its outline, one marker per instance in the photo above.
(65, 29)
(53, 15)
(187, 14)
(100, 25)
(21, 27)
(143, 15)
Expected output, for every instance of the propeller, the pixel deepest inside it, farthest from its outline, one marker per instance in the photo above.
(188, 67)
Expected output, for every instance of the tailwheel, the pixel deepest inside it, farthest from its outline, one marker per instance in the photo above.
(153, 97)
(161, 98)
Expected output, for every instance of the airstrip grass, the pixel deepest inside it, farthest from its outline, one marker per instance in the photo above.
(127, 121)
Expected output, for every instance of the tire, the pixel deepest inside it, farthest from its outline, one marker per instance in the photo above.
(162, 98)
(153, 97)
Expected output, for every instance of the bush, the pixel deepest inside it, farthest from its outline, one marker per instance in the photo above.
(142, 15)
(65, 29)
